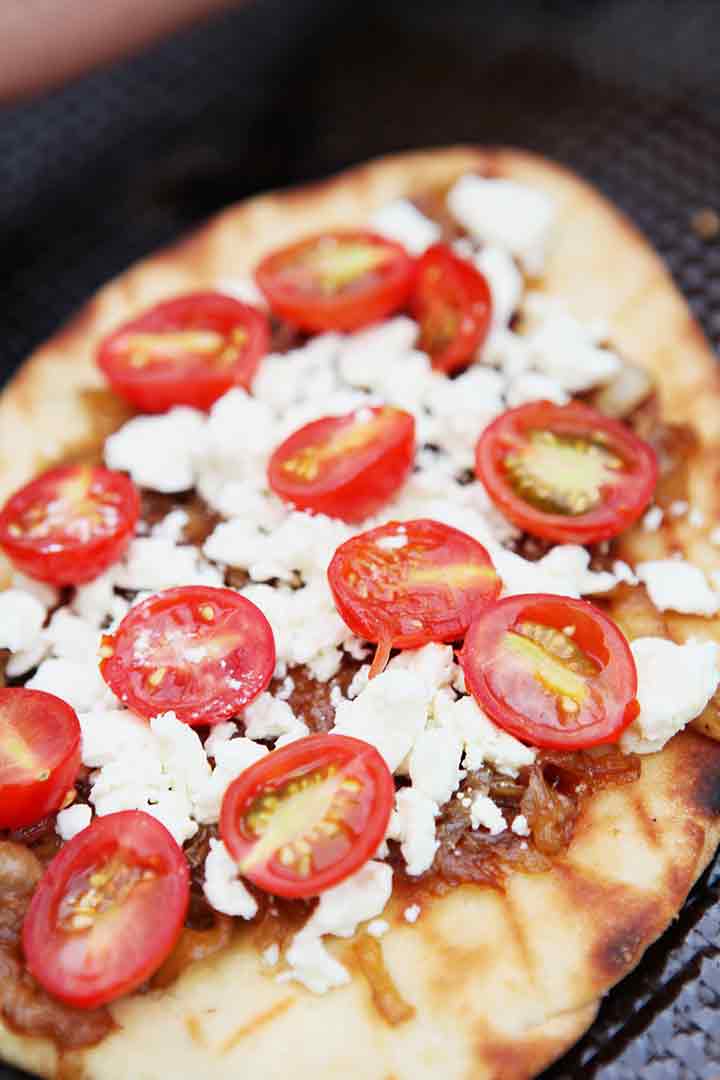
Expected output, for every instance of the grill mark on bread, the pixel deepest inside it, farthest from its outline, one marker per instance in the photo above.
(260, 1021)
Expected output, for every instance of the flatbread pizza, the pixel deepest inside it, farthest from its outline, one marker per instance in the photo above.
(364, 547)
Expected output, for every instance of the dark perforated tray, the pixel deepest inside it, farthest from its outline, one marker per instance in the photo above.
(625, 92)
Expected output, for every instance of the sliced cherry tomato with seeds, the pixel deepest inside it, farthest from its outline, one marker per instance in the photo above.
(39, 755)
(566, 472)
(452, 303)
(69, 524)
(337, 280)
(405, 584)
(306, 816)
(186, 351)
(345, 466)
(108, 910)
(204, 653)
(553, 671)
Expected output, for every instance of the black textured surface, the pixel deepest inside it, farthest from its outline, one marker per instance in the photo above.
(626, 92)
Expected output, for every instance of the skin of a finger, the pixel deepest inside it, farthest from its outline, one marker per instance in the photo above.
(44, 43)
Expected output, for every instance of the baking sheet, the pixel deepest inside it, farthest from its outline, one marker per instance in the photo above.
(625, 92)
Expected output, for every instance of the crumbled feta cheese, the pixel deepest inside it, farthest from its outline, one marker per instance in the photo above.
(378, 927)
(71, 637)
(534, 386)
(46, 594)
(675, 683)
(222, 888)
(505, 213)
(563, 349)
(413, 824)
(359, 682)
(172, 526)
(154, 563)
(219, 734)
(433, 663)
(77, 682)
(72, 821)
(678, 508)
(696, 518)
(232, 758)
(714, 536)
(624, 573)
(359, 898)
(435, 764)
(157, 451)
(520, 825)
(403, 222)
(21, 619)
(483, 741)
(505, 281)
(243, 289)
(310, 963)
(487, 813)
(411, 913)
(564, 571)
(269, 717)
(677, 585)
(97, 601)
(389, 713)
(653, 519)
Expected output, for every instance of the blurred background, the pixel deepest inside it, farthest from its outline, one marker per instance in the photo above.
(118, 161)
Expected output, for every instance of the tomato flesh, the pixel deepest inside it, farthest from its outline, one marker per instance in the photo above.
(345, 466)
(69, 524)
(308, 815)
(204, 653)
(566, 472)
(405, 584)
(553, 671)
(452, 303)
(337, 280)
(39, 755)
(108, 910)
(186, 351)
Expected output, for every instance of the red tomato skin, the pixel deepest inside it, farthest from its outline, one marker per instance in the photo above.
(601, 523)
(350, 311)
(128, 681)
(609, 646)
(137, 954)
(467, 289)
(318, 750)
(76, 562)
(157, 391)
(360, 615)
(373, 477)
(24, 804)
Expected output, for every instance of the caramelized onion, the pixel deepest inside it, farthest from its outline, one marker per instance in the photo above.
(387, 999)
(192, 946)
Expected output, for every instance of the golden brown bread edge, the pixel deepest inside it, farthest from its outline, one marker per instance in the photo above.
(502, 983)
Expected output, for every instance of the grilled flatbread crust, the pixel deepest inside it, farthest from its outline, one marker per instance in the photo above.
(502, 983)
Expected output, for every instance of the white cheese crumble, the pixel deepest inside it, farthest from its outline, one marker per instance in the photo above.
(222, 888)
(483, 741)
(504, 279)
(157, 451)
(389, 713)
(435, 764)
(675, 683)
(412, 913)
(677, 585)
(403, 222)
(564, 571)
(487, 813)
(378, 927)
(564, 349)
(72, 821)
(520, 825)
(413, 824)
(652, 519)
(269, 717)
(271, 955)
(21, 619)
(504, 212)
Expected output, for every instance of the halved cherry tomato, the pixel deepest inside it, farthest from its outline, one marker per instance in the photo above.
(345, 466)
(39, 755)
(336, 280)
(69, 524)
(566, 472)
(407, 583)
(453, 305)
(203, 652)
(108, 910)
(552, 671)
(187, 351)
(307, 816)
